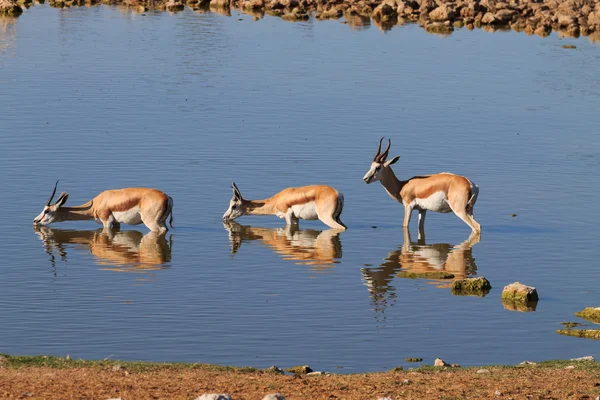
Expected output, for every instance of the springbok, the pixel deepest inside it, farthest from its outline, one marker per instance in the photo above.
(443, 192)
(320, 249)
(131, 206)
(307, 202)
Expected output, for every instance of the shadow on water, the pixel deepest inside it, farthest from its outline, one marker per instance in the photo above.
(120, 251)
(417, 257)
(319, 249)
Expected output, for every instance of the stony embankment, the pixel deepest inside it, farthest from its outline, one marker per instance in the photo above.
(568, 17)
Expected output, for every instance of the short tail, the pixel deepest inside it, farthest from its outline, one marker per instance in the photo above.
(171, 211)
(338, 210)
(473, 198)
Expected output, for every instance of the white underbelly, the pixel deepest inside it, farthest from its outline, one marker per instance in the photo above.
(129, 217)
(436, 202)
(305, 211)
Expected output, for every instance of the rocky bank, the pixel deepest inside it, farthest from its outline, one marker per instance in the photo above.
(569, 17)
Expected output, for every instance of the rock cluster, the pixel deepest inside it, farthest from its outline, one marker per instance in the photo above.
(10, 8)
(568, 17)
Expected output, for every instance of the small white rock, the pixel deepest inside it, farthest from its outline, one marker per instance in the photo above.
(586, 358)
(440, 363)
(316, 373)
(528, 363)
(214, 396)
(274, 396)
(407, 381)
(570, 367)
(498, 393)
(483, 371)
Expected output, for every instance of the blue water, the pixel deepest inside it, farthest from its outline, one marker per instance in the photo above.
(105, 98)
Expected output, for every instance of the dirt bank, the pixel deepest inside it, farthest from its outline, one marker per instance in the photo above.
(50, 378)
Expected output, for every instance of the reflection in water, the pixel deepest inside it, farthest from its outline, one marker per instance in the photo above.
(8, 33)
(121, 251)
(418, 257)
(320, 249)
(358, 22)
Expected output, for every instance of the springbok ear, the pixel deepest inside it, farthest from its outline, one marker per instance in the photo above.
(62, 199)
(392, 161)
(236, 191)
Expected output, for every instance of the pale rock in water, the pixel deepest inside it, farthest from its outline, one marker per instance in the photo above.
(214, 396)
(517, 292)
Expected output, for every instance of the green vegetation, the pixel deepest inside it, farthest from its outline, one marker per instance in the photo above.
(426, 275)
(8, 361)
(397, 369)
(471, 287)
(591, 314)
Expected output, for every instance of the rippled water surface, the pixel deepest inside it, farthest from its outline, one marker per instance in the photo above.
(104, 98)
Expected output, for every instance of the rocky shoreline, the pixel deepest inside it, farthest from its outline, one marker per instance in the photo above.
(570, 18)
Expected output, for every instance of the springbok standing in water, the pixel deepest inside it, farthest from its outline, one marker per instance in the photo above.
(130, 206)
(308, 202)
(443, 192)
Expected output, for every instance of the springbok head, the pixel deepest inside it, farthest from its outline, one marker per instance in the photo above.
(48, 214)
(236, 205)
(379, 164)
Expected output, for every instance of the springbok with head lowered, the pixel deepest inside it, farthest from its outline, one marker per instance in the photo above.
(308, 202)
(443, 192)
(130, 206)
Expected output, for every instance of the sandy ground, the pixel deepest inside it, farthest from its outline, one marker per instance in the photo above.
(104, 383)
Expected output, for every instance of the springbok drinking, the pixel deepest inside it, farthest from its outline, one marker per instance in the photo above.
(130, 206)
(308, 202)
(443, 192)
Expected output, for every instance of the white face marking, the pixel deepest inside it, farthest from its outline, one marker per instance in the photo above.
(436, 202)
(46, 217)
(374, 173)
(306, 211)
(235, 210)
(129, 217)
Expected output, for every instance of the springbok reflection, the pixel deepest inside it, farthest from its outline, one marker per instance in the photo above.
(121, 251)
(418, 257)
(320, 249)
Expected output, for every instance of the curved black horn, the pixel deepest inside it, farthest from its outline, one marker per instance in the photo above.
(384, 155)
(52, 195)
(378, 149)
